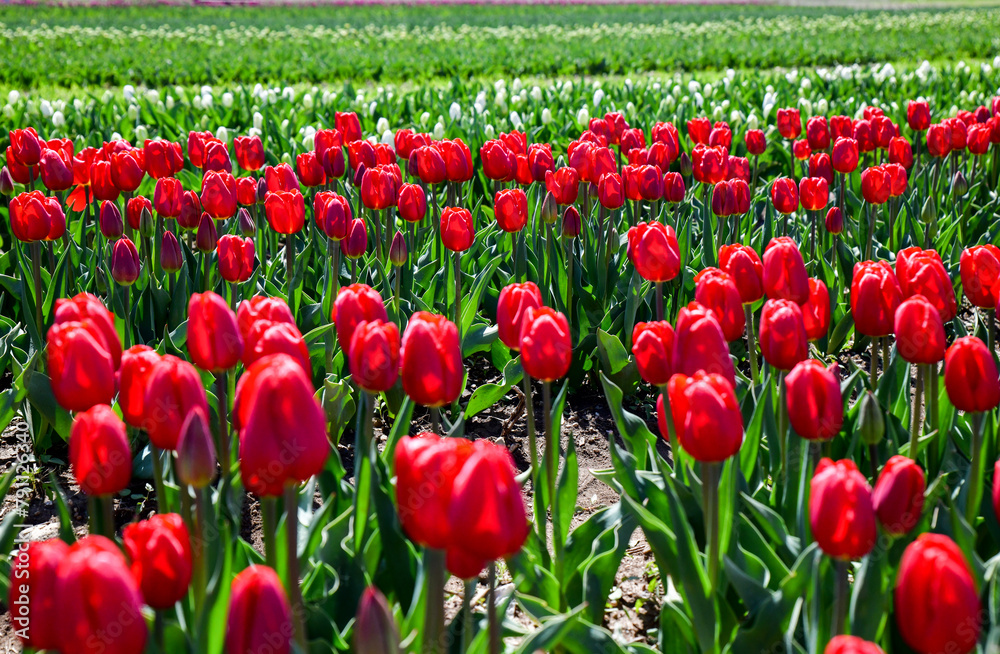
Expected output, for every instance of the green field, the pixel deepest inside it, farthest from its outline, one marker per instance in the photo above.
(172, 45)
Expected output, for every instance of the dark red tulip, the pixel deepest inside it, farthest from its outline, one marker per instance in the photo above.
(815, 405)
(653, 250)
(56, 168)
(785, 274)
(160, 551)
(745, 267)
(653, 349)
(700, 345)
(920, 272)
(980, 270)
(431, 366)
(755, 141)
(36, 217)
(814, 193)
(899, 495)
(789, 123)
(260, 617)
(333, 214)
(546, 346)
(125, 263)
(841, 512)
(816, 312)
(35, 613)
(282, 427)
(356, 304)
(137, 364)
(99, 451)
(783, 340)
(190, 215)
(716, 290)
(109, 220)
(834, 222)
(936, 601)
(207, 236)
(173, 389)
(970, 376)
(706, 415)
(374, 355)
(356, 242)
(875, 296)
(785, 195)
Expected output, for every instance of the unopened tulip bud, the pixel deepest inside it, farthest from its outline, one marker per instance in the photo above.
(359, 174)
(871, 422)
(6, 182)
(835, 220)
(245, 222)
(146, 226)
(196, 458)
(207, 238)
(375, 631)
(550, 210)
(261, 190)
(685, 164)
(397, 251)
(571, 222)
(125, 264)
(110, 221)
(928, 213)
(959, 185)
(171, 258)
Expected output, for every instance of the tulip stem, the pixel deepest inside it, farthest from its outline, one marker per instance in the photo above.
(434, 615)
(470, 586)
(659, 301)
(529, 411)
(974, 493)
(991, 315)
(569, 281)
(667, 414)
(873, 363)
(782, 425)
(200, 553)
(840, 592)
(915, 417)
(710, 505)
(751, 344)
(491, 609)
(158, 630)
(289, 262)
(458, 293)
(552, 460)
(267, 510)
(222, 444)
(435, 420)
(161, 497)
(36, 278)
(931, 392)
(292, 550)
(93, 515)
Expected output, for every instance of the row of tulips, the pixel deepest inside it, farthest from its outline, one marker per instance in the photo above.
(210, 372)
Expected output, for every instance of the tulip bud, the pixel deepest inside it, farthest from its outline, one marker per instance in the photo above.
(571, 222)
(196, 458)
(550, 210)
(110, 221)
(375, 631)
(171, 258)
(245, 222)
(871, 422)
(959, 185)
(6, 182)
(125, 264)
(835, 220)
(207, 238)
(928, 214)
(685, 164)
(397, 251)
(261, 190)
(146, 227)
(359, 174)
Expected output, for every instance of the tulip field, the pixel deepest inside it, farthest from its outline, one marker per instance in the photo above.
(293, 365)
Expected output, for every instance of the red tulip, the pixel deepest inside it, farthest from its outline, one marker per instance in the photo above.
(163, 158)
(512, 305)
(875, 296)
(716, 290)
(134, 208)
(653, 349)
(378, 188)
(457, 229)
(102, 186)
(939, 140)
(815, 405)
(722, 135)
(919, 331)
(374, 356)
(970, 376)
(800, 149)
(430, 165)
(936, 601)
(610, 191)
(789, 123)
(285, 211)
(546, 346)
(356, 242)
(845, 155)
(980, 270)
(282, 427)
(723, 200)
(918, 115)
(710, 165)
(218, 194)
(564, 184)
(280, 178)
(897, 179)
(785, 195)
(260, 617)
(207, 236)
(673, 187)
(347, 123)
(745, 267)
(653, 250)
(920, 272)
(236, 257)
(137, 364)
(699, 130)
(814, 193)
(851, 645)
(125, 263)
(84, 306)
(272, 309)
(36, 217)
(412, 203)
(754, 139)
(900, 152)
(56, 168)
(834, 222)
(706, 415)
(26, 146)
(127, 170)
(100, 603)
(214, 340)
(190, 213)
(499, 163)
(959, 133)
(250, 152)
(81, 370)
(818, 133)
(35, 613)
(841, 512)
(899, 495)
(333, 214)
(173, 390)
(266, 337)
(785, 274)
(783, 340)
(510, 207)
(99, 451)
(457, 159)
(426, 467)
(355, 304)
(431, 360)
(864, 135)
(700, 346)
(841, 127)
(820, 165)
(160, 551)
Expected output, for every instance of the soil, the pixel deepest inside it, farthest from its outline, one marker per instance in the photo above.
(634, 605)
